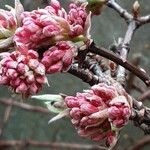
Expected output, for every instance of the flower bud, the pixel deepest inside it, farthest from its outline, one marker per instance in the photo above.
(59, 57)
(100, 112)
(23, 73)
(136, 9)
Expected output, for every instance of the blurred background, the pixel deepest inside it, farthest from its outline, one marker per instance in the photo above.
(21, 124)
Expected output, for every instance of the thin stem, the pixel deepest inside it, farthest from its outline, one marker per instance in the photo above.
(47, 144)
(115, 58)
(125, 50)
(144, 20)
(122, 12)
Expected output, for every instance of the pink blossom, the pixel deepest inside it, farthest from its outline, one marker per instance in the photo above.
(44, 27)
(119, 111)
(59, 57)
(97, 111)
(77, 18)
(23, 73)
(9, 21)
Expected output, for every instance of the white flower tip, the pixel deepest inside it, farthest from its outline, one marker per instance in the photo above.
(59, 116)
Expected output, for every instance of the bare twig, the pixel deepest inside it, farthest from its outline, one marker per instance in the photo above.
(130, 81)
(140, 143)
(6, 144)
(125, 50)
(115, 58)
(85, 75)
(144, 96)
(138, 88)
(122, 12)
(24, 106)
(141, 116)
(5, 118)
(93, 66)
(144, 20)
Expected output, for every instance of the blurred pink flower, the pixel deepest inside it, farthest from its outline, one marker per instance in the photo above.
(23, 73)
(9, 21)
(59, 57)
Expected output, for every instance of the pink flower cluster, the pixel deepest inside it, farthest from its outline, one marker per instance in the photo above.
(7, 20)
(51, 24)
(59, 57)
(51, 29)
(77, 18)
(96, 112)
(8, 25)
(22, 72)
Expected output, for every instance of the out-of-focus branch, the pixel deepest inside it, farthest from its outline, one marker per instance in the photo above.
(24, 106)
(115, 58)
(122, 12)
(130, 81)
(138, 88)
(144, 96)
(144, 20)
(125, 50)
(141, 116)
(47, 144)
(140, 143)
(5, 118)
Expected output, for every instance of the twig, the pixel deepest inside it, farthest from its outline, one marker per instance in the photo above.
(141, 116)
(93, 66)
(6, 144)
(144, 20)
(115, 58)
(130, 82)
(83, 74)
(24, 106)
(5, 118)
(122, 12)
(125, 50)
(138, 88)
(140, 144)
(144, 96)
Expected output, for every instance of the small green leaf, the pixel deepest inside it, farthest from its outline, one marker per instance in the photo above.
(49, 97)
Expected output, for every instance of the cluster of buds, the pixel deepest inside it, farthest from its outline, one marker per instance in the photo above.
(77, 18)
(99, 113)
(23, 73)
(59, 57)
(9, 21)
(51, 24)
(50, 28)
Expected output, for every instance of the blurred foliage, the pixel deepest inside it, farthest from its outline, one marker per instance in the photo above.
(24, 125)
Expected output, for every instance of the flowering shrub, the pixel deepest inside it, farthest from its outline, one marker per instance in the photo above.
(52, 40)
